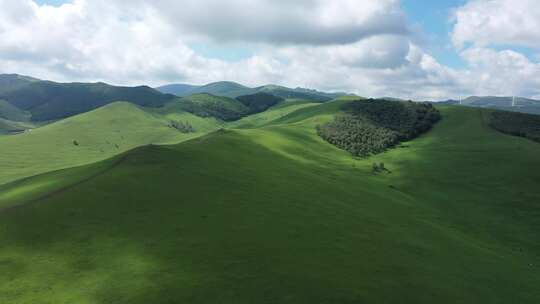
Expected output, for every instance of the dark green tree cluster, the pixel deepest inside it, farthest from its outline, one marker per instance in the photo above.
(184, 127)
(405, 117)
(372, 126)
(517, 124)
(357, 135)
(259, 102)
(211, 110)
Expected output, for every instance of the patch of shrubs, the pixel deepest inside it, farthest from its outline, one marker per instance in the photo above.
(517, 124)
(228, 109)
(184, 127)
(372, 126)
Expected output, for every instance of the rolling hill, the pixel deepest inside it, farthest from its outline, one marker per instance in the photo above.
(98, 134)
(517, 104)
(47, 100)
(234, 90)
(274, 214)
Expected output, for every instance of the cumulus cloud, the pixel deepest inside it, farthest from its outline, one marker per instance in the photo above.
(497, 22)
(485, 31)
(312, 22)
(502, 72)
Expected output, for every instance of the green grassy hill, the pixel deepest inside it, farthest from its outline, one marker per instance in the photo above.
(100, 134)
(276, 215)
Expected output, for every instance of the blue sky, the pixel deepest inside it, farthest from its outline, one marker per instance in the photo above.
(433, 18)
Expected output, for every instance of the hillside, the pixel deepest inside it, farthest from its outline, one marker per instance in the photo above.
(10, 112)
(276, 215)
(46, 100)
(99, 134)
(272, 114)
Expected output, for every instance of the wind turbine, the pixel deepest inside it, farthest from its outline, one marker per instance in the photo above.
(513, 101)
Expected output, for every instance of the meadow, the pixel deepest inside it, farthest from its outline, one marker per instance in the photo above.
(271, 213)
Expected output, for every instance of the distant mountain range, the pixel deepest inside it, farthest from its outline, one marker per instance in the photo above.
(24, 98)
(517, 104)
(47, 100)
(233, 90)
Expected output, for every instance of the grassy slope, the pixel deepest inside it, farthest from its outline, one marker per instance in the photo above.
(275, 215)
(276, 112)
(101, 134)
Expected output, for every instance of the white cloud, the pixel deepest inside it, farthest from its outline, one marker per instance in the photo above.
(502, 72)
(498, 22)
(483, 25)
(359, 46)
(312, 22)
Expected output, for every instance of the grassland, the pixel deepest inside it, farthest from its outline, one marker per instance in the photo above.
(276, 215)
(92, 137)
